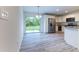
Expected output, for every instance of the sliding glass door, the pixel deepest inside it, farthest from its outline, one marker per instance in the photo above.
(32, 24)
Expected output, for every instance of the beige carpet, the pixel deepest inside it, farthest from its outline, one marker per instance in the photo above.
(39, 42)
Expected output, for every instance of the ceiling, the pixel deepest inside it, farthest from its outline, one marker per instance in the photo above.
(55, 10)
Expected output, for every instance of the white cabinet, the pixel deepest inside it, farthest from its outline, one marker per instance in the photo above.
(71, 36)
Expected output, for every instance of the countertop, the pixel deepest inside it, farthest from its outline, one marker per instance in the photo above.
(72, 27)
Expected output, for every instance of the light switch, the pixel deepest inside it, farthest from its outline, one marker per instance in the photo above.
(4, 14)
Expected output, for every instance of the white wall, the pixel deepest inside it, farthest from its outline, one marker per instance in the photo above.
(11, 32)
(42, 24)
(29, 14)
(20, 27)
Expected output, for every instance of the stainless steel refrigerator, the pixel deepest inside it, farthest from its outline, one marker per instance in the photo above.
(51, 25)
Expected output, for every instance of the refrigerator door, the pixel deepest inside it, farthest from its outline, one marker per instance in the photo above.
(51, 25)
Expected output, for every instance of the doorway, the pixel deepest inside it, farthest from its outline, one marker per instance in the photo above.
(32, 24)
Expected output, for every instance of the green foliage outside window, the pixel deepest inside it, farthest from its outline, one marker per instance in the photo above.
(32, 21)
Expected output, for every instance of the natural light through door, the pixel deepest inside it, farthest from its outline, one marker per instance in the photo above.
(32, 24)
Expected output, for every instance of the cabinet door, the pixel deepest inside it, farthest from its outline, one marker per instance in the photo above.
(70, 36)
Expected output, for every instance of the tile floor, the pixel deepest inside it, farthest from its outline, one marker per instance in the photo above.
(40, 42)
